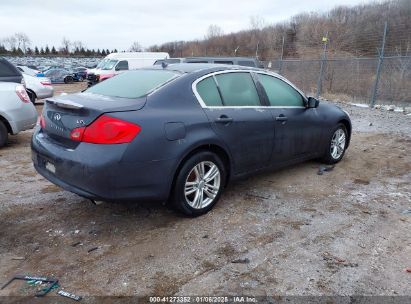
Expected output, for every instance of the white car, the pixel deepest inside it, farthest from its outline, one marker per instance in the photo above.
(27, 70)
(38, 87)
(17, 113)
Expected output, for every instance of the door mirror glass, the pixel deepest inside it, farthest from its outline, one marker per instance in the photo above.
(312, 102)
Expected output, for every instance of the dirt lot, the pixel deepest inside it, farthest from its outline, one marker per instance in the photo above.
(290, 232)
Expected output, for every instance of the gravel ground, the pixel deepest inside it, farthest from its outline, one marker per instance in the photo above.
(289, 232)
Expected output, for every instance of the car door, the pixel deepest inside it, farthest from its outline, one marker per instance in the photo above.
(232, 105)
(297, 128)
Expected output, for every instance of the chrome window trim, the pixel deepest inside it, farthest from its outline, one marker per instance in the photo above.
(203, 105)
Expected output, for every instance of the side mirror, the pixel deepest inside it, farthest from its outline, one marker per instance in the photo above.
(312, 102)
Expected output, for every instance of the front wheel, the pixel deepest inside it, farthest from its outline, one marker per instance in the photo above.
(337, 145)
(199, 184)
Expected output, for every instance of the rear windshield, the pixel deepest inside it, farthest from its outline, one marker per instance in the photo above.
(133, 84)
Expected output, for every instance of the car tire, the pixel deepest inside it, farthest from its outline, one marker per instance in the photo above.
(68, 79)
(336, 145)
(193, 194)
(32, 97)
(81, 79)
(3, 134)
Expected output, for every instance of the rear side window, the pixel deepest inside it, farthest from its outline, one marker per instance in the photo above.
(133, 84)
(280, 93)
(238, 89)
(223, 62)
(7, 69)
(248, 63)
(208, 91)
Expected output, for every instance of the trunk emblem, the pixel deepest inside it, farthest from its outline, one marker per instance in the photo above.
(57, 117)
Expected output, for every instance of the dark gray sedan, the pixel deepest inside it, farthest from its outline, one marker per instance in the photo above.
(181, 133)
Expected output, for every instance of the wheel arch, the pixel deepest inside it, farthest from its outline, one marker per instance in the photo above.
(7, 124)
(348, 126)
(212, 147)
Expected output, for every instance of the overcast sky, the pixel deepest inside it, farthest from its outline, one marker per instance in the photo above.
(117, 23)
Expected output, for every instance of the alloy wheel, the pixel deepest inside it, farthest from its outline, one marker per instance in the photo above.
(202, 184)
(338, 144)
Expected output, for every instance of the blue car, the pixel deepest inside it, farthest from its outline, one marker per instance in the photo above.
(180, 133)
(80, 74)
(59, 75)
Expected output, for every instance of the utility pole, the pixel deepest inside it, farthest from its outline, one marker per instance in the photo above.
(323, 58)
(379, 66)
(256, 50)
(281, 58)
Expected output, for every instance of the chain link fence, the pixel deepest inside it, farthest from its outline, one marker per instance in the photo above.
(351, 79)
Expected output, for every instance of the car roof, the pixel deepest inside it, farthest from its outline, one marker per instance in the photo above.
(221, 58)
(197, 67)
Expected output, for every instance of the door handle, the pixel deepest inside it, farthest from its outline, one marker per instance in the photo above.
(224, 119)
(281, 118)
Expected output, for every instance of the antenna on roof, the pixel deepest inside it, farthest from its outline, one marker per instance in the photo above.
(164, 64)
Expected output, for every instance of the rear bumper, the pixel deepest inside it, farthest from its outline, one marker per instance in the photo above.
(23, 118)
(45, 92)
(97, 172)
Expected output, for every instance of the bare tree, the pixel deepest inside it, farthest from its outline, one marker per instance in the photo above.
(136, 47)
(10, 42)
(23, 41)
(65, 46)
(78, 45)
(214, 31)
(257, 22)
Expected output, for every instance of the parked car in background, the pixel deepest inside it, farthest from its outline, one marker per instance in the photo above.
(116, 63)
(59, 75)
(243, 61)
(9, 73)
(38, 87)
(28, 71)
(208, 133)
(80, 73)
(17, 113)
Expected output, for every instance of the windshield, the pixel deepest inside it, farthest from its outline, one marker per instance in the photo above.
(133, 84)
(109, 64)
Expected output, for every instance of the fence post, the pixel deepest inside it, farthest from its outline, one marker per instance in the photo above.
(380, 61)
(281, 58)
(323, 59)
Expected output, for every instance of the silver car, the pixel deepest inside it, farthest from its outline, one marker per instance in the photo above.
(17, 113)
(38, 87)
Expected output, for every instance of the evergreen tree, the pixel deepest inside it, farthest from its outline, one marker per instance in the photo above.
(53, 50)
(42, 51)
(47, 50)
(36, 51)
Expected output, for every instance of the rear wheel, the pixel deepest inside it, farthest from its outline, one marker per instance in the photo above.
(68, 79)
(336, 145)
(3, 134)
(199, 184)
(32, 96)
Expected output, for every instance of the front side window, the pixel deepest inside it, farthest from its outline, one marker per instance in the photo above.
(208, 91)
(280, 93)
(133, 84)
(238, 89)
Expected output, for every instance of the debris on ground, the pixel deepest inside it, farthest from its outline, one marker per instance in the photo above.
(49, 283)
(69, 295)
(408, 211)
(92, 249)
(18, 258)
(76, 244)
(241, 261)
(323, 169)
(407, 270)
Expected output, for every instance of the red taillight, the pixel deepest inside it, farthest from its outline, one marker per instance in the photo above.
(106, 130)
(45, 83)
(42, 122)
(22, 94)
